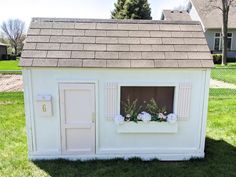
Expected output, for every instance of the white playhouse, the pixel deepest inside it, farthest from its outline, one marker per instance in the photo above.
(101, 89)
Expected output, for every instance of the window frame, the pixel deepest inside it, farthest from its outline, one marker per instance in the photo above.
(151, 84)
(217, 37)
(220, 41)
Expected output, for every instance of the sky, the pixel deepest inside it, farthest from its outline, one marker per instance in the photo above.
(26, 9)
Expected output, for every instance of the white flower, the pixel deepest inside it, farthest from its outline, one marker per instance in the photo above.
(139, 117)
(144, 116)
(171, 118)
(161, 116)
(119, 119)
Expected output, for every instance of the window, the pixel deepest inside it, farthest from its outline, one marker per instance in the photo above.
(164, 96)
(218, 41)
(230, 35)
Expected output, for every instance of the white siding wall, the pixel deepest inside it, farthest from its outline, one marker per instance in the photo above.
(46, 130)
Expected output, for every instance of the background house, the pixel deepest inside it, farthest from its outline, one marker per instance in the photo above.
(212, 23)
(3, 51)
(175, 15)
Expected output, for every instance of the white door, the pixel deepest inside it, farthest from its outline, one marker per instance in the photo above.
(77, 104)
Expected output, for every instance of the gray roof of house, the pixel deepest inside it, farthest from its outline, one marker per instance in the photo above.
(176, 15)
(212, 17)
(115, 44)
(2, 44)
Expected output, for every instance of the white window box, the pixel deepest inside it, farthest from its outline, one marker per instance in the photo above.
(150, 127)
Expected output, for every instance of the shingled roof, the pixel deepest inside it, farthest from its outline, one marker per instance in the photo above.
(115, 44)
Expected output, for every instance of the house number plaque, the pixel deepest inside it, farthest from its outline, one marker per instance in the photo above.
(44, 105)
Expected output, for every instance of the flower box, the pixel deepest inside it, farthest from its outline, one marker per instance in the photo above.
(149, 127)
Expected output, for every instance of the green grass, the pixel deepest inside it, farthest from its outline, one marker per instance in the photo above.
(229, 65)
(225, 73)
(13, 145)
(222, 115)
(220, 158)
(9, 65)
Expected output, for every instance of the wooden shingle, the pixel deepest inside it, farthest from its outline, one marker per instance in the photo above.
(115, 43)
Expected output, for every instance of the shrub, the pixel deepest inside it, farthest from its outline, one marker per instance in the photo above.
(231, 59)
(11, 57)
(217, 58)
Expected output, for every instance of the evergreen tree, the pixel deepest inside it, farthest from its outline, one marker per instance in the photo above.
(131, 9)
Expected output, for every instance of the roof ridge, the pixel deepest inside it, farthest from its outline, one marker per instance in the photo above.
(93, 20)
(174, 10)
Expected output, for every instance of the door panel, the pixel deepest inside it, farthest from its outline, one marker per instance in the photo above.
(77, 140)
(77, 103)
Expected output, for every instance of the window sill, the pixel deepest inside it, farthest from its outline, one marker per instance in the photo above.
(150, 127)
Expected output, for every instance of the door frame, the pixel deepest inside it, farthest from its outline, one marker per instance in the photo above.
(95, 82)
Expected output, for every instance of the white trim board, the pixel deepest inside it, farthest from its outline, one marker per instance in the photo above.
(144, 157)
(154, 84)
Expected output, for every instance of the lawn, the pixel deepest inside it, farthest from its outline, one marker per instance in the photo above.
(220, 158)
(225, 73)
(9, 65)
(229, 65)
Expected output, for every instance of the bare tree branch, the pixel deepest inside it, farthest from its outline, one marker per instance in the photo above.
(216, 7)
(14, 29)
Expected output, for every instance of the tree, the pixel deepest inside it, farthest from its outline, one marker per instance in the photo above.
(14, 31)
(132, 9)
(224, 7)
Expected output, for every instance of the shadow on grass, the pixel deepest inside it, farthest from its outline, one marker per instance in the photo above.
(220, 161)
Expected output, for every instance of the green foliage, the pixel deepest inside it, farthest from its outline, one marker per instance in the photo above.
(131, 9)
(153, 108)
(131, 108)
